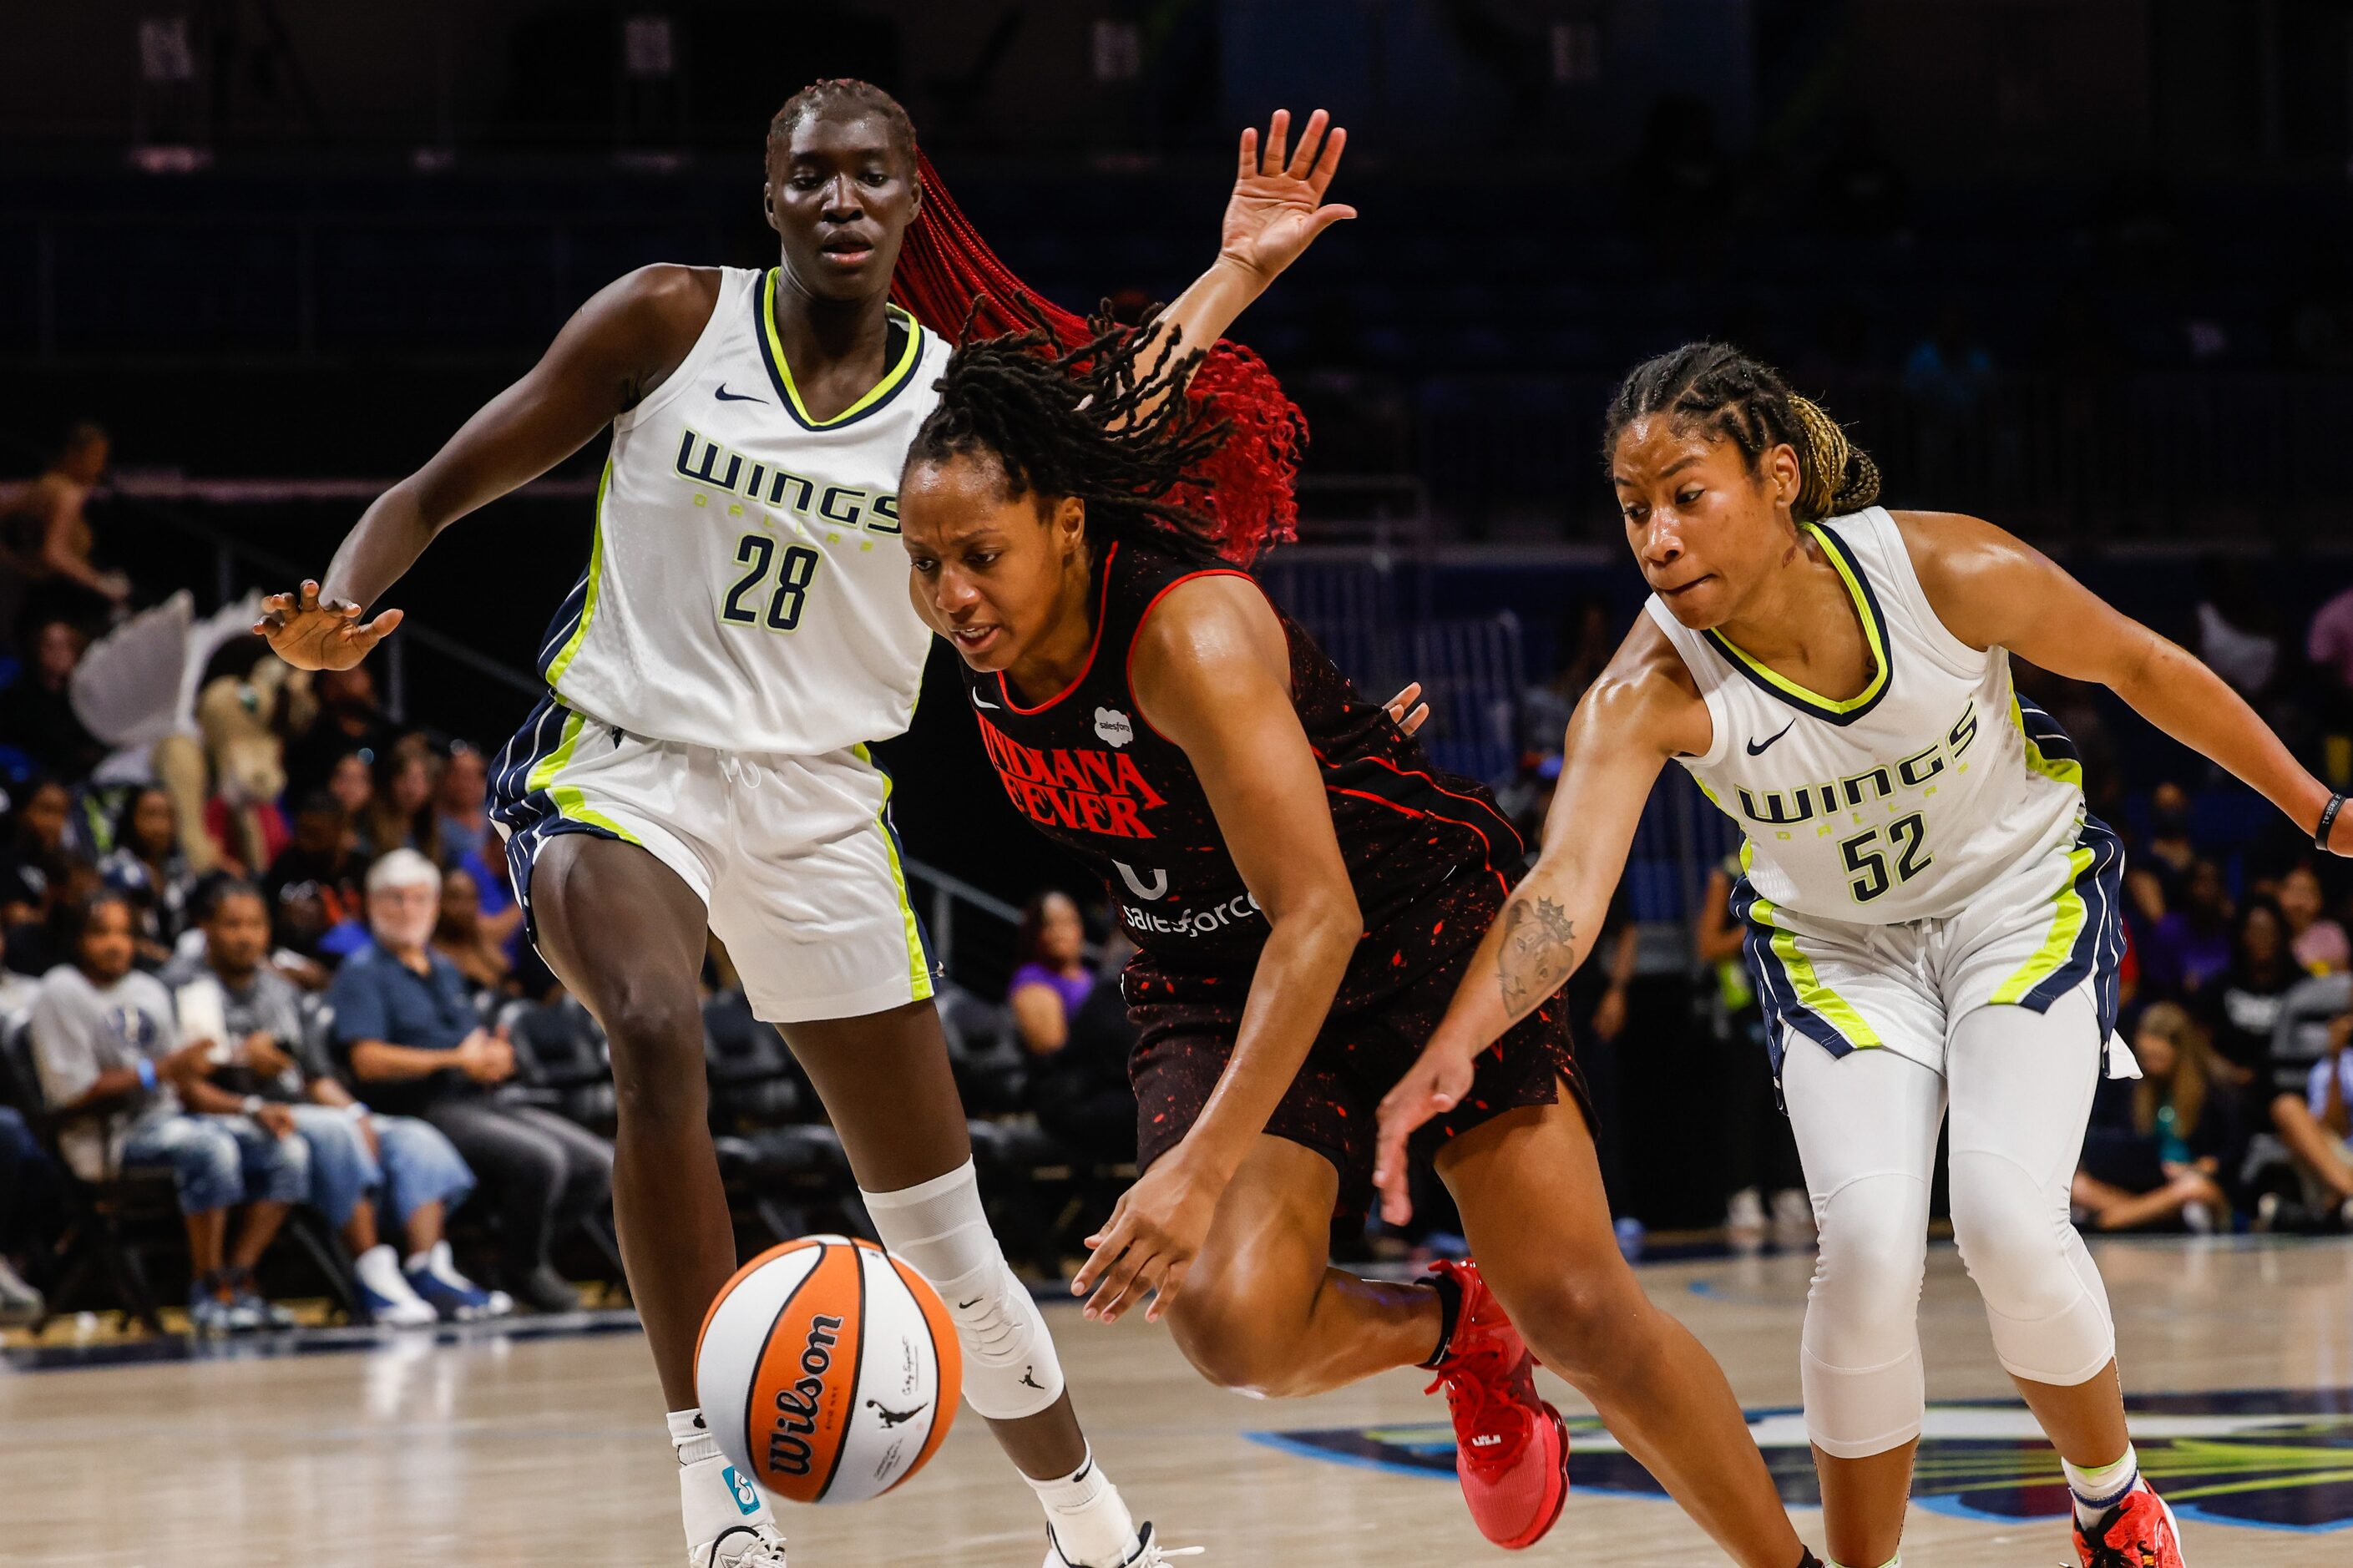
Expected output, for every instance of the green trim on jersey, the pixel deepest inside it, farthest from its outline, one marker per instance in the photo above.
(919, 966)
(1875, 634)
(780, 369)
(2067, 925)
(1812, 994)
(570, 801)
(2065, 769)
(562, 661)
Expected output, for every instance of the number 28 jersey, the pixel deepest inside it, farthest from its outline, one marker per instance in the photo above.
(1907, 801)
(746, 590)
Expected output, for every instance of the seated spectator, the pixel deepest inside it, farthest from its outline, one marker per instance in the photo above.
(461, 812)
(313, 887)
(1081, 1092)
(2241, 1005)
(352, 783)
(2159, 871)
(460, 936)
(37, 715)
(32, 1213)
(2329, 643)
(38, 872)
(1052, 979)
(2191, 945)
(2317, 1127)
(16, 988)
(2319, 942)
(230, 994)
(2158, 1148)
(108, 1049)
(411, 1045)
(346, 721)
(147, 867)
(46, 533)
(400, 816)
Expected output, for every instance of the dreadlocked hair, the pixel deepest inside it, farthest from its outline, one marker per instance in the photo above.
(954, 284)
(845, 96)
(1732, 397)
(1073, 422)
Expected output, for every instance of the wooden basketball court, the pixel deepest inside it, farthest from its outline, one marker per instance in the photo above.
(545, 1445)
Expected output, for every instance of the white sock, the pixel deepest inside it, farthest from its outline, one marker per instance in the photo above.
(711, 1494)
(1894, 1562)
(1089, 1519)
(2096, 1491)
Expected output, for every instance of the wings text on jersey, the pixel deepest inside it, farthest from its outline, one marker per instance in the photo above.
(811, 501)
(1831, 801)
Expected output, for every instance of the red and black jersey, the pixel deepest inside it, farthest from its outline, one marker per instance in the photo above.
(1091, 773)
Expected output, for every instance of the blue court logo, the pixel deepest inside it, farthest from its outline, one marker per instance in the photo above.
(747, 1496)
(2259, 1458)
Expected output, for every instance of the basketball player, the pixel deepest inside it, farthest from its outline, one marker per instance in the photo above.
(1304, 890)
(1932, 913)
(740, 633)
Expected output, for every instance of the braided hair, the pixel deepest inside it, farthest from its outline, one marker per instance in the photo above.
(1731, 398)
(1073, 424)
(847, 97)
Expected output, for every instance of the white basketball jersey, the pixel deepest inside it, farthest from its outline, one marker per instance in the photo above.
(1903, 802)
(746, 589)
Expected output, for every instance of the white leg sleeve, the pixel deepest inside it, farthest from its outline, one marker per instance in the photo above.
(2021, 1084)
(1009, 1366)
(1866, 1126)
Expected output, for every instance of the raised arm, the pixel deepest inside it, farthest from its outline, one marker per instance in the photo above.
(1642, 711)
(619, 346)
(1213, 672)
(1992, 590)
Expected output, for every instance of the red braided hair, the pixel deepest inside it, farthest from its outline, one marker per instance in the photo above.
(947, 273)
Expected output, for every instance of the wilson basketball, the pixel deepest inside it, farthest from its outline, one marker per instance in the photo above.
(828, 1370)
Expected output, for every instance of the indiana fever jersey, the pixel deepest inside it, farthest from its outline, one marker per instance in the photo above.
(746, 590)
(1913, 797)
(1093, 774)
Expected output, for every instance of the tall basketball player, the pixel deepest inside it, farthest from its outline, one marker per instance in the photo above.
(1305, 890)
(742, 631)
(1932, 912)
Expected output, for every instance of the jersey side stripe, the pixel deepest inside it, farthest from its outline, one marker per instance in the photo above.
(919, 963)
(1791, 990)
(590, 585)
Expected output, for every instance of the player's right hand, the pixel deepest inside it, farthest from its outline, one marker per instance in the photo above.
(1436, 1082)
(309, 633)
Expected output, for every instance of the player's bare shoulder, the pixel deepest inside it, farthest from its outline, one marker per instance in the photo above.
(644, 323)
(1645, 696)
(1970, 570)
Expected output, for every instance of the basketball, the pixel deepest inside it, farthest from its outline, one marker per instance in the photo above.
(828, 1370)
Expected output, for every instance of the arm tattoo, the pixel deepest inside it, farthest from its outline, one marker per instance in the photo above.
(1539, 952)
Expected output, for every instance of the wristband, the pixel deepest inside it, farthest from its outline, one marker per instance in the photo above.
(146, 1070)
(2328, 819)
(254, 1105)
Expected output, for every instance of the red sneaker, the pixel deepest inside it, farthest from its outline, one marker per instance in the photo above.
(1511, 1448)
(2138, 1532)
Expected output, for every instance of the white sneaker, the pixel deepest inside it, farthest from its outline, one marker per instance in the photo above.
(1793, 1220)
(741, 1546)
(1148, 1552)
(1744, 1216)
(383, 1290)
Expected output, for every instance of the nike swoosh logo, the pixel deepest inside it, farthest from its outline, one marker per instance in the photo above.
(964, 1306)
(726, 396)
(1756, 748)
(980, 701)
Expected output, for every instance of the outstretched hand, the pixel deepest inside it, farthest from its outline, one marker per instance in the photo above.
(309, 633)
(1278, 206)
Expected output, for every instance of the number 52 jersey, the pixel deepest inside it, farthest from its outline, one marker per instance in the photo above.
(746, 590)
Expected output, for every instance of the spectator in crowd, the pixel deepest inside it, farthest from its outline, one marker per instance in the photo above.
(47, 534)
(1760, 1152)
(401, 814)
(107, 1046)
(1052, 979)
(461, 803)
(314, 885)
(2191, 945)
(347, 720)
(36, 871)
(2241, 1005)
(2238, 626)
(2329, 643)
(352, 782)
(2317, 1129)
(36, 712)
(1081, 1092)
(17, 989)
(2158, 872)
(413, 1045)
(2159, 1146)
(228, 994)
(2319, 942)
(31, 1213)
(147, 867)
(460, 936)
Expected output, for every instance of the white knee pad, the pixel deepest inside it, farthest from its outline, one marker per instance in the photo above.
(2043, 1295)
(1860, 1365)
(1009, 1366)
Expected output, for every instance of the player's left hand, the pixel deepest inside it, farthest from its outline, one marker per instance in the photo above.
(1435, 1083)
(1406, 710)
(1155, 1233)
(1278, 206)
